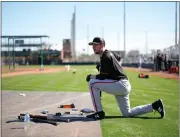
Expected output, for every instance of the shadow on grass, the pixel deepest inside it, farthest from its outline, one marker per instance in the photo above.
(113, 117)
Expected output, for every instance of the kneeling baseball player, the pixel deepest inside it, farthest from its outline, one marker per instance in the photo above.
(113, 80)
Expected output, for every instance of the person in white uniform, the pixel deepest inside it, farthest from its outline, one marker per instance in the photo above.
(113, 80)
(140, 62)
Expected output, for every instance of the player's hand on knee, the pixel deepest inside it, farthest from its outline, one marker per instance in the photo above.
(88, 77)
(98, 67)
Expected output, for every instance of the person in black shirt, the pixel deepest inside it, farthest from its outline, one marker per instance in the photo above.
(113, 80)
(165, 62)
(159, 60)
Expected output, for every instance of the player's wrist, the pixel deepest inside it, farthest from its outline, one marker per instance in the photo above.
(93, 76)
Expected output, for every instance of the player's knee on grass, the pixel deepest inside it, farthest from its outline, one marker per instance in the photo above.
(125, 114)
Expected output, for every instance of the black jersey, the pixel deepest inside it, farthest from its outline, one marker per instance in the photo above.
(110, 67)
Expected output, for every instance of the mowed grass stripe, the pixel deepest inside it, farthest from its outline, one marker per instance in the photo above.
(58, 81)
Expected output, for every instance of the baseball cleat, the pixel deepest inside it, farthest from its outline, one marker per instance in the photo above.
(97, 116)
(158, 106)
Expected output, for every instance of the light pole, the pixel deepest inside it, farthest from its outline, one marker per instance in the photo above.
(124, 29)
(13, 56)
(41, 55)
(9, 53)
(102, 31)
(175, 23)
(87, 39)
(117, 40)
(146, 43)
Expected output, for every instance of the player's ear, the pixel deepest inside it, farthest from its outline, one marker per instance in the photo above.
(102, 45)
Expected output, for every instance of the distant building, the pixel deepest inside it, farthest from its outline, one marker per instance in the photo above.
(134, 53)
(121, 53)
(67, 48)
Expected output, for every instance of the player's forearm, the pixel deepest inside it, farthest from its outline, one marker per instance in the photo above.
(120, 62)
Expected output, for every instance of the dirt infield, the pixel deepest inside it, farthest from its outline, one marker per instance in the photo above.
(150, 72)
(25, 71)
(34, 102)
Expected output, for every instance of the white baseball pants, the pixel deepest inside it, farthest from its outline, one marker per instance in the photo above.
(121, 90)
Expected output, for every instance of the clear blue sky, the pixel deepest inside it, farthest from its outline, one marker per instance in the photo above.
(53, 19)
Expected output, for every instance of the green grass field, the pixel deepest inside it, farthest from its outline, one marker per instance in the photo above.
(143, 91)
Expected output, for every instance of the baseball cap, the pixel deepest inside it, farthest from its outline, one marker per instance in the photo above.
(97, 40)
